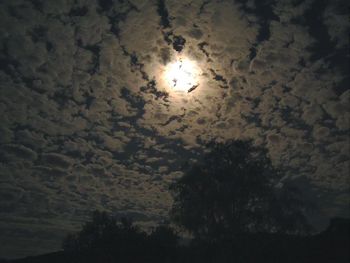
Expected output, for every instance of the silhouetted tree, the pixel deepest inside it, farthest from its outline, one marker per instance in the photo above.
(165, 236)
(163, 241)
(234, 190)
(104, 239)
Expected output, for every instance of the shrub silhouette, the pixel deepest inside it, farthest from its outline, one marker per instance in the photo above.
(234, 190)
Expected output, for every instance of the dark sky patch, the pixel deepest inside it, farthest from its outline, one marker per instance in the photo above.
(203, 5)
(105, 5)
(38, 5)
(342, 86)
(264, 11)
(179, 43)
(78, 11)
(163, 13)
(202, 46)
(151, 87)
(39, 33)
(313, 19)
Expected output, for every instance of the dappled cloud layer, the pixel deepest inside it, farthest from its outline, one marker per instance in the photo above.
(89, 122)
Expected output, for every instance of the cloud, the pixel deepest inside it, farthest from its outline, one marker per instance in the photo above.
(89, 123)
(18, 151)
(56, 160)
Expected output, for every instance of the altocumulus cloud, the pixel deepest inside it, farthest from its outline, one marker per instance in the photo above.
(87, 123)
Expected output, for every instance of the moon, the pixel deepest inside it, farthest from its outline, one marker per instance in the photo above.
(182, 75)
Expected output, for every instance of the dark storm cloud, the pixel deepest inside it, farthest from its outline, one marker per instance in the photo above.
(86, 123)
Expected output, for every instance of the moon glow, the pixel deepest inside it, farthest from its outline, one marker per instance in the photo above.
(182, 75)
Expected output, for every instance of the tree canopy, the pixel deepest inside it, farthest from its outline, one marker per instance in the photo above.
(106, 239)
(235, 190)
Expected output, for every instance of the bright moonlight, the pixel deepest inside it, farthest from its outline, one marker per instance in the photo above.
(182, 75)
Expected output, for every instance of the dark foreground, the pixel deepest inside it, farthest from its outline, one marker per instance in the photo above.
(332, 245)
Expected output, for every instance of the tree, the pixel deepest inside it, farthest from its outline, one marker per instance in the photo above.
(234, 190)
(163, 242)
(104, 239)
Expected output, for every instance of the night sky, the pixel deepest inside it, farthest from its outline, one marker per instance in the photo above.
(88, 120)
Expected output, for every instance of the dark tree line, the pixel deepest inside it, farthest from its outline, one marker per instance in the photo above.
(105, 239)
(233, 205)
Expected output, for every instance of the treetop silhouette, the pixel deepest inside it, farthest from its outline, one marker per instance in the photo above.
(234, 190)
